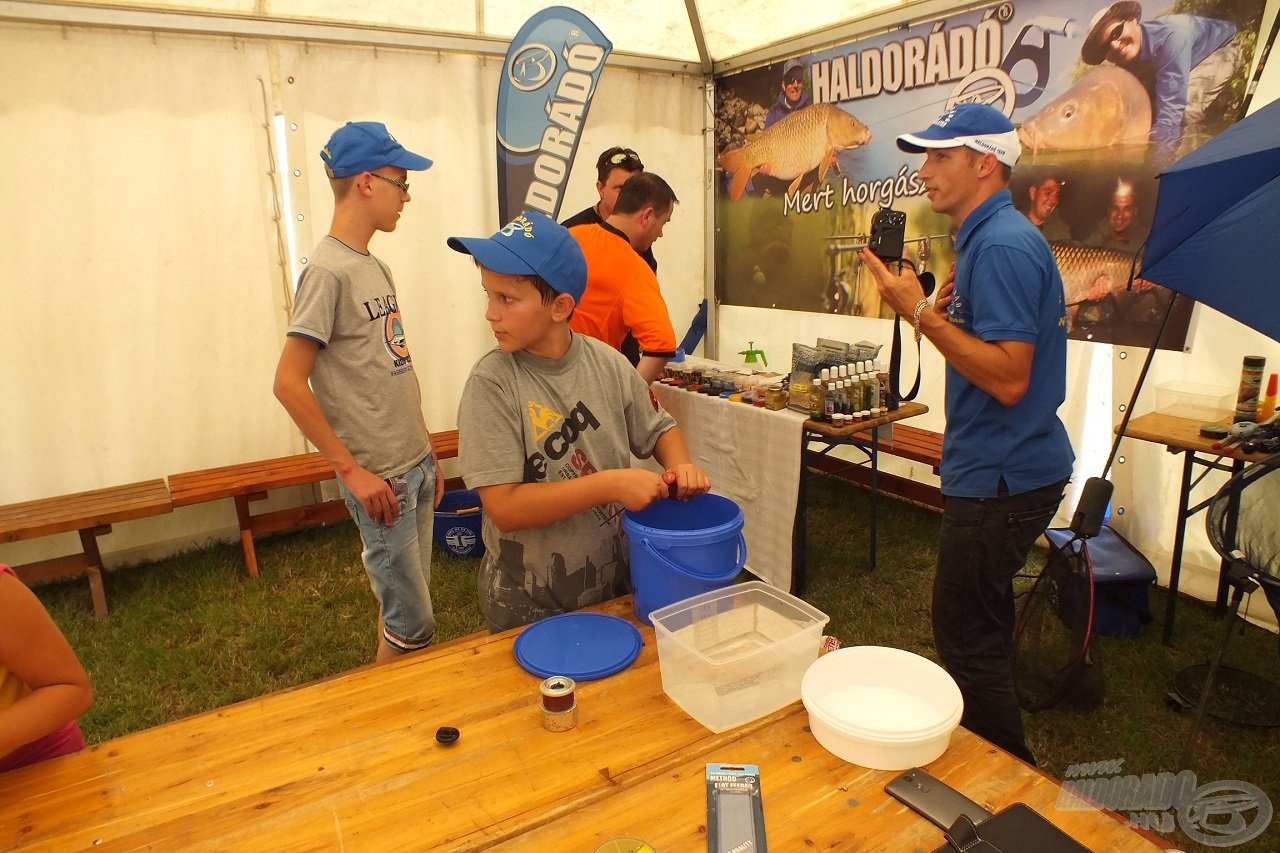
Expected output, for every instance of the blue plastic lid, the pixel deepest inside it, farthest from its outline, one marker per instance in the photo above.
(583, 646)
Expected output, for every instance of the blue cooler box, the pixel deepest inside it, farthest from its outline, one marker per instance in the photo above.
(457, 525)
(1122, 579)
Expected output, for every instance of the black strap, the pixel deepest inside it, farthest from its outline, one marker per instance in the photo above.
(896, 396)
(895, 367)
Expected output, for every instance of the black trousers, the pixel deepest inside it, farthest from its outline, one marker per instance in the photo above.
(983, 543)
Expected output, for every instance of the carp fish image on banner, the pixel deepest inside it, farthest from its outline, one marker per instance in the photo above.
(810, 138)
(1091, 274)
(1107, 106)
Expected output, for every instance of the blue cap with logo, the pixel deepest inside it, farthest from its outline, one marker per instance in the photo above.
(362, 146)
(981, 127)
(531, 244)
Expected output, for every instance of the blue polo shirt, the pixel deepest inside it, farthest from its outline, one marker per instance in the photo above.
(1007, 289)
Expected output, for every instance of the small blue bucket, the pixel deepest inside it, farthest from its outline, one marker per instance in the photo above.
(457, 525)
(680, 549)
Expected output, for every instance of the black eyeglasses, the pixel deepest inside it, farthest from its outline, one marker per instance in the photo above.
(401, 185)
(1115, 33)
(795, 78)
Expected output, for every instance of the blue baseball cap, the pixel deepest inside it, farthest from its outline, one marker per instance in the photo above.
(362, 146)
(531, 244)
(981, 127)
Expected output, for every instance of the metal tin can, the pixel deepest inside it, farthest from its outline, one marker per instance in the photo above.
(559, 703)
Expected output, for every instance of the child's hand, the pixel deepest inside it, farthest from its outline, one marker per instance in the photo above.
(686, 480)
(636, 488)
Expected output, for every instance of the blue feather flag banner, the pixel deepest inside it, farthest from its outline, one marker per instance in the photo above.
(548, 79)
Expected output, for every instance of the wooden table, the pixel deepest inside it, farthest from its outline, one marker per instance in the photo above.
(1182, 435)
(351, 763)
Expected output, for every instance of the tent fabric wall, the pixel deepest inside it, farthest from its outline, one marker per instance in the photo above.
(145, 285)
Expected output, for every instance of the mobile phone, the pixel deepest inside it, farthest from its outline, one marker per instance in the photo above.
(934, 800)
(888, 230)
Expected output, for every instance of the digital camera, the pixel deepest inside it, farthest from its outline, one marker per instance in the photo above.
(888, 230)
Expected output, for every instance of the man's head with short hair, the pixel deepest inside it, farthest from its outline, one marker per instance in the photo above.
(1114, 34)
(645, 203)
(613, 168)
(1044, 195)
(1124, 206)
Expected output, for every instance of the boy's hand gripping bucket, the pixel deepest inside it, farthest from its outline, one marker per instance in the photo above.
(680, 549)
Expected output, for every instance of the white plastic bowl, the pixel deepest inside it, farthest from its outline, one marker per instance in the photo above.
(882, 708)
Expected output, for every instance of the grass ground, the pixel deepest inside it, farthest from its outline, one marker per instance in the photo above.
(193, 632)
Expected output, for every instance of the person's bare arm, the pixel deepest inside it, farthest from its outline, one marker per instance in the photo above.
(672, 452)
(293, 390)
(650, 367)
(518, 506)
(34, 650)
(1001, 368)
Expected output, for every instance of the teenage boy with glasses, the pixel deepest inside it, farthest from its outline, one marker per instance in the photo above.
(346, 378)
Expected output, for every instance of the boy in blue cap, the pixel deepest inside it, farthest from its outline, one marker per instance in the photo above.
(1000, 322)
(546, 427)
(346, 378)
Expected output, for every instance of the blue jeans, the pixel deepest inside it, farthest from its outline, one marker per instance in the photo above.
(398, 558)
(983, 543)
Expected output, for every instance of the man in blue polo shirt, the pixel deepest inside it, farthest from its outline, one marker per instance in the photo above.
(999, 320)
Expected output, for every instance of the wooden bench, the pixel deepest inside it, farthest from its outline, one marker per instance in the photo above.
(906, 442)
(251, 481)
(90, 514)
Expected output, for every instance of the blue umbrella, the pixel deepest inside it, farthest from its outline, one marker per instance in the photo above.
(1217, 222)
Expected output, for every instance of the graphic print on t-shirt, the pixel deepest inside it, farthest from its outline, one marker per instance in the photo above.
(542, 419)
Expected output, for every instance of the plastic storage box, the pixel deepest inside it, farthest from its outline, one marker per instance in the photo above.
(457, 524)
(731, 655)
(1207, 403)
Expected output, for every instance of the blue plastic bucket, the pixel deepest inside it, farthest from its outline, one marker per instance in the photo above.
(457, 524)
(681, 549)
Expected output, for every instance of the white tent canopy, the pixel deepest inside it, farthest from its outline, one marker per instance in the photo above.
(161, 194)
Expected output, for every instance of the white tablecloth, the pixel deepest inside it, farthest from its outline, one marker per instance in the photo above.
(753, 457)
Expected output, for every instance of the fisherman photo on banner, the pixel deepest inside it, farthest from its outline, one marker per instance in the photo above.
(1104, 95)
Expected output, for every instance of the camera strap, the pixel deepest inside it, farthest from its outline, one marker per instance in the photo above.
(895, 353)
(895, 367)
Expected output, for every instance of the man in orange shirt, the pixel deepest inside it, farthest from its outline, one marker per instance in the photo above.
(622, 292)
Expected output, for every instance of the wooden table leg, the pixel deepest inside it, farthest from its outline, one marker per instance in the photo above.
(246, 534)
(93, 567)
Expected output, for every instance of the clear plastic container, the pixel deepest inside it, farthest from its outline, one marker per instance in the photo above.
(1206, 403)
(735, 654)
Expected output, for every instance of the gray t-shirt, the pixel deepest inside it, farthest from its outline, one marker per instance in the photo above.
(363, 376)
(526, 419)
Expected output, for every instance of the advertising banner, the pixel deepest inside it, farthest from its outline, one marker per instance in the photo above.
(548, 77)
(1105, 96)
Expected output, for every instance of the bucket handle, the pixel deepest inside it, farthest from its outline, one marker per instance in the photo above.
(742, 555)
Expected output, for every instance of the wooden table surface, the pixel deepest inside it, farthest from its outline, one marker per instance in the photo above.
(1180, 434)
(351, 763)
(828, 430)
